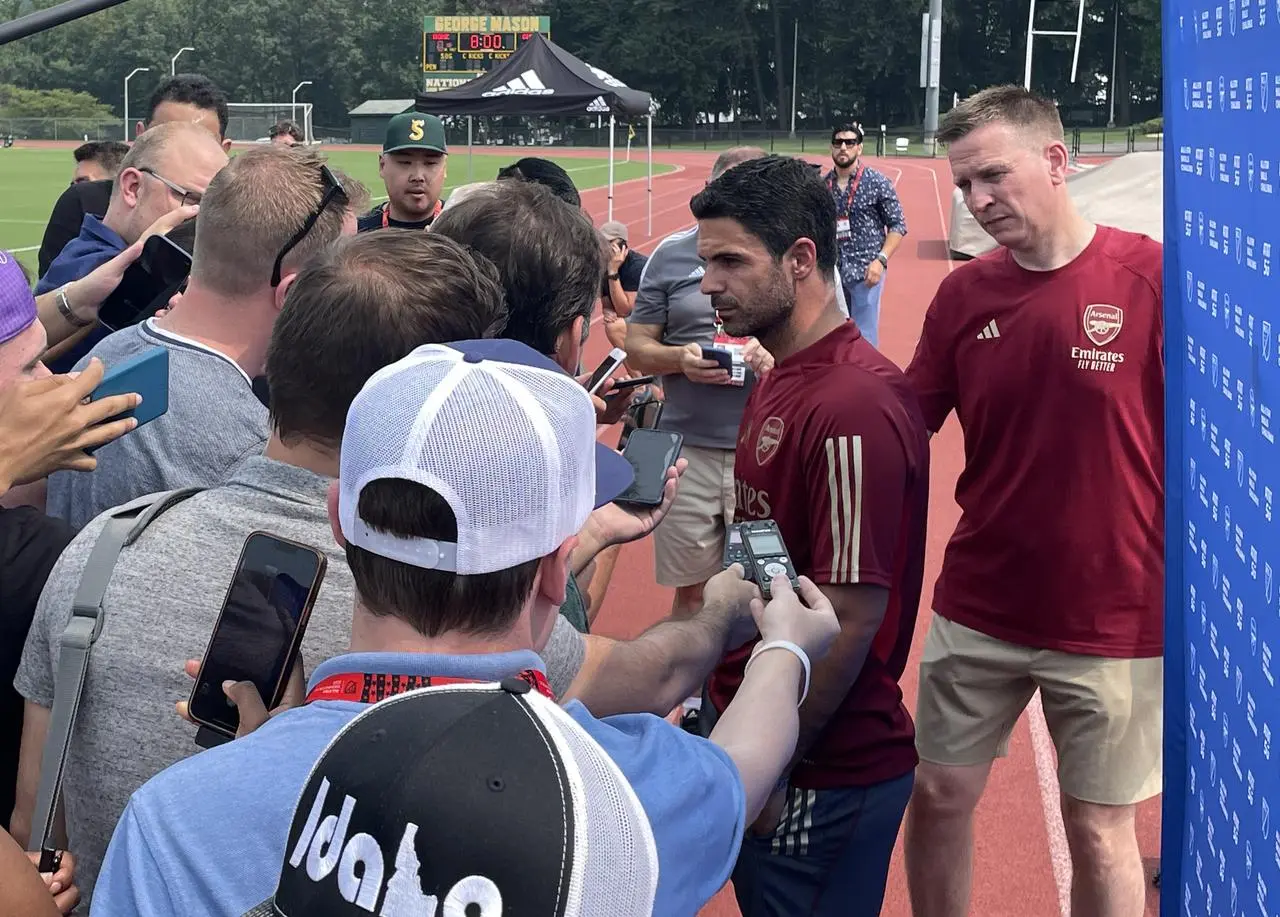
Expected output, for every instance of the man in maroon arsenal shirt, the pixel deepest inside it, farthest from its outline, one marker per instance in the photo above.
(833, 448)
(1049, 349)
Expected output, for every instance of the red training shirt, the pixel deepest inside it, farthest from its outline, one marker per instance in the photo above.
(834, 449)
(1057, 379)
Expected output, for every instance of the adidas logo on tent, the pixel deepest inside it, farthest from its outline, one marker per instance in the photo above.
(526, 84)
(598, 104)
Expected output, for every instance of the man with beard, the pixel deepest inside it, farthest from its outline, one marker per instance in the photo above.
(832, 448)
(869, 227)
(413, 165)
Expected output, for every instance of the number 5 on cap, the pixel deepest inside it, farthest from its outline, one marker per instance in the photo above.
(415, 128)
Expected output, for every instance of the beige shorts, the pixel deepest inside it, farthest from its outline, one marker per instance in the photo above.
(1104, 715)
(688, 546)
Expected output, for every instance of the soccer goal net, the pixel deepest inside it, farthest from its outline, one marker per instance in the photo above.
(251, 122)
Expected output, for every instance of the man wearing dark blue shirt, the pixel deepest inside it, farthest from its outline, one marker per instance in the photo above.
(168, 167)
(869, 227)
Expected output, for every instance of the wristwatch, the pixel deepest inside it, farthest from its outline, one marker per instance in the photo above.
(883, 259)
(613, 276)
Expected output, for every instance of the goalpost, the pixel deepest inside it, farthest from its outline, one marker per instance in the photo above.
(251, 122)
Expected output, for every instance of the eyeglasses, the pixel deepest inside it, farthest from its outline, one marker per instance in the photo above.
(332, 190)
(186, 197)
(845, 141)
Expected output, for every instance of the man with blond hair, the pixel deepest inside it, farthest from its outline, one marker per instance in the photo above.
(168, 167)
(1053, 578)
(260, 219)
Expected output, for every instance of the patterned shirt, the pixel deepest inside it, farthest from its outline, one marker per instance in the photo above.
(875, 212)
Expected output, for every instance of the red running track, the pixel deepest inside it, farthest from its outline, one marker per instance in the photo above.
(1021, 866)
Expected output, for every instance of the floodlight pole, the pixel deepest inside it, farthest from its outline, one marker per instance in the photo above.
(135, 72)
(173, 61)
(932, 67)
(293, 102)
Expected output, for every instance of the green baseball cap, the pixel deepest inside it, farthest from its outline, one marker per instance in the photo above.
(415, 131)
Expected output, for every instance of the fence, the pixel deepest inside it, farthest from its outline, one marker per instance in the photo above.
(583, 132)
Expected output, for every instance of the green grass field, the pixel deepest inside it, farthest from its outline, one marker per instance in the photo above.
(31, 180)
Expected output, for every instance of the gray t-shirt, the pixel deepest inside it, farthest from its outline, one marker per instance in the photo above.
(213, 422)
(669, 295)
(161, 606)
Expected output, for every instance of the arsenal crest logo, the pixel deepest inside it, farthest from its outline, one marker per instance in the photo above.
(1101, 323)
(770, 439)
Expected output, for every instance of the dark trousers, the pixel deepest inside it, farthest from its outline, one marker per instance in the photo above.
(828, 857)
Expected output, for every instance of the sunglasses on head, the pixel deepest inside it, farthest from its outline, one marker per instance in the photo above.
(332, 190)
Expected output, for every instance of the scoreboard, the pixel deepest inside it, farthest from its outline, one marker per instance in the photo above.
(467, 46)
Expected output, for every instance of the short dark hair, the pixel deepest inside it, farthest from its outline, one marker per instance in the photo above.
(191, 89)
(847, 129)
(361, 304)
(107, 153)
(543, 172)
(549, 256)
(779, 200)
(434, 602)
(285, 126)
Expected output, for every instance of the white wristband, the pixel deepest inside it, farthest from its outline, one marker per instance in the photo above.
(790, 648)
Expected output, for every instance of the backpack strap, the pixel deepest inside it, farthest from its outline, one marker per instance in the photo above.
(125, 525)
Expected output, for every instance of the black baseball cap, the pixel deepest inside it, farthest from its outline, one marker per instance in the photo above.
(455, 797)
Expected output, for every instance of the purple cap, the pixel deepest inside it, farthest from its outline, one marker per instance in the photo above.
(17, 303)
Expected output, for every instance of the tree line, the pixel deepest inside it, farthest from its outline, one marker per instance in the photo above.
(703, 60)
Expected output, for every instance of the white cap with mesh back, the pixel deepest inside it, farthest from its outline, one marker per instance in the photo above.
(495, 428)
(465, 799)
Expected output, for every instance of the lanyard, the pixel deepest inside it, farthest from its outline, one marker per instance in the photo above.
(386, 213)
(369, 688)
(853, 187)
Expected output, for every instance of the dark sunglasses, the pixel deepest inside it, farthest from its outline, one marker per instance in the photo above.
(332, 191)
(844, 141)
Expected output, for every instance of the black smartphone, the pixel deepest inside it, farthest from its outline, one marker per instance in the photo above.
(651, 453)
(260, 627)
(625, 385)
(768, 554)
(721, 356)
(147, 284)
(643, 415)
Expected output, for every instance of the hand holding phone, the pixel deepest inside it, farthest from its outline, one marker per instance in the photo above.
(698, 366)
(607, 368)
(147, 284)
(147, 375)
(260, 628)
(651, 453)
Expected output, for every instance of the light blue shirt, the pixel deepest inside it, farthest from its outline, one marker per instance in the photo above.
(208, 835)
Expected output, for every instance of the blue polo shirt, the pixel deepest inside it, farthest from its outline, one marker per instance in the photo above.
(95, 246)
(208, 836)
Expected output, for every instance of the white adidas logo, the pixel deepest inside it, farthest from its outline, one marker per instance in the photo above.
(526, 84)
(698, 272)
(990, 332)
(598, 104)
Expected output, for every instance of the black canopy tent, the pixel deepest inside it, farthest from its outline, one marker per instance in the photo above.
(541, 78)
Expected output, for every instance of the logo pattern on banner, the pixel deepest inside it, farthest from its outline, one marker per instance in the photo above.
(1227, 135)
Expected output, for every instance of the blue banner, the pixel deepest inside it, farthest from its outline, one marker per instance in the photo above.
(1221, 845)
